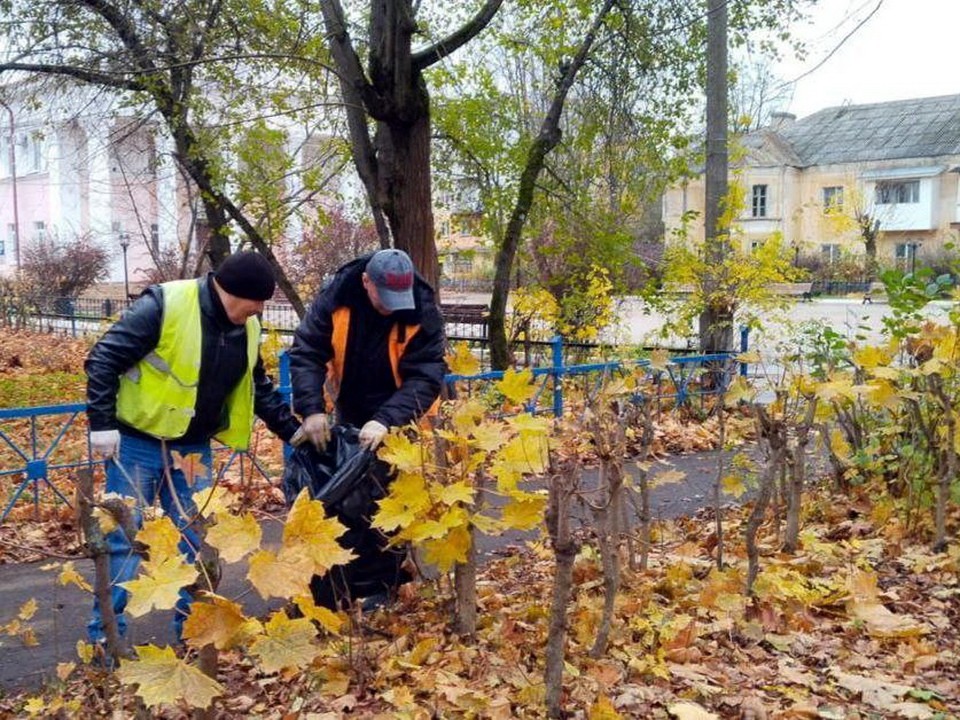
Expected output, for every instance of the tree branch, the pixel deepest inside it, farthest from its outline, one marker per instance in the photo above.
(88, 76)
(450, 44)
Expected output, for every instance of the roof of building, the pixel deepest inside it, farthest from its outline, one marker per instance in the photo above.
(922, 127)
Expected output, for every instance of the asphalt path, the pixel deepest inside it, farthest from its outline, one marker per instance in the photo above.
(62, 612)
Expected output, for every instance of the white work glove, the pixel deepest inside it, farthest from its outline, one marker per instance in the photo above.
(317, 429)
(372, 434)
(105, 443)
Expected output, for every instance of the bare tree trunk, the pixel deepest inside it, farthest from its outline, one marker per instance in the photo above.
(948, 471)
(773, 432)
(718, 520)
(607, 516)
(465, 575)
(561, 488)
(716, 319)
(791, 535)
(97, 548)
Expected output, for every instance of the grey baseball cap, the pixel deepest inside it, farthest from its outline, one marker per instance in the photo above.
(392, 272)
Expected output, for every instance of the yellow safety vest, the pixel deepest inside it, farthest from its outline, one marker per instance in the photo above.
(158, 395)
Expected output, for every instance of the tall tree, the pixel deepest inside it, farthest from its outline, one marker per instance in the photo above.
(394, 163)
(716, 320)
(192, 63)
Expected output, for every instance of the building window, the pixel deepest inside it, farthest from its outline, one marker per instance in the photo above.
(830, 253)
(755, 245)
(833, 198)
(759, 201)
(897, 192)
(905, 254)
(155, 237)
(39, 231)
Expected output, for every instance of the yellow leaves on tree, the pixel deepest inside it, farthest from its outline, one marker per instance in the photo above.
(161, 537)
(159, 585)
(283, 574)
(310, 533)
(163, 679)
(461, 361)
(235, 536)
(432, 502)
(216, 621)
(285, 643)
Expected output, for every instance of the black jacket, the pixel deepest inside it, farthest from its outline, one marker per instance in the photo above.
(223, 360)
(368, 390)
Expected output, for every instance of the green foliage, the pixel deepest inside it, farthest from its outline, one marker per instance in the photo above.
(908, 293)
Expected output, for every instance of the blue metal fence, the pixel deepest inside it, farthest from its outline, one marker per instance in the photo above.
(680, 381)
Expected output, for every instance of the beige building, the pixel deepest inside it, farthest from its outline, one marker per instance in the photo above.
(808, 179)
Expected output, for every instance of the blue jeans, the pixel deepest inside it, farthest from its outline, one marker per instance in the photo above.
(140, 471)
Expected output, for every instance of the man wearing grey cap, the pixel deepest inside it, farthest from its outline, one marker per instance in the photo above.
(181, 366)
(370, 348)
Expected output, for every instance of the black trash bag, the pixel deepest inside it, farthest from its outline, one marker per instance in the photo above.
(340, 476)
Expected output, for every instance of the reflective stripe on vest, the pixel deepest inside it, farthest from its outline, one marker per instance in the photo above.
(338, 340)
(157, 395)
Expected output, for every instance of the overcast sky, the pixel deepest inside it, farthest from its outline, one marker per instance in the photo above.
(909, 48)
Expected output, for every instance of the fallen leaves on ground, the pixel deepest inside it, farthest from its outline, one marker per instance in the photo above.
(687, 643)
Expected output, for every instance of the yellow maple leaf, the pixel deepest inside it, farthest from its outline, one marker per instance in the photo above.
(105, 519)
(466, 414)
(659, 358)
(161, 536)
(285, 643)
(85, 651)
(459, 492)
(667, 477)
(407, 500)
(446, 552)
(27, 610)
(462, 361)
(216, 621)
(690, 711)
(284, 576)
(603, 709)
(70, 576)
(530, 425)
(191, 466)
(235, 536)
(402, 453)
(309, 531)
(35, 706)
(487, 436)
(215, 500)
(487, 524)
(524, 514)
(159, 587)
(517, 387)
(864, 605)
(524, 454)
(329, 620)
(733, 485)
(840, 389)
(164, 679)
(740, 390)
(870, 356)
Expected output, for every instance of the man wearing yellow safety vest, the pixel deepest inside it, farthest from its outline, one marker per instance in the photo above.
(370, 348)
(181, 366)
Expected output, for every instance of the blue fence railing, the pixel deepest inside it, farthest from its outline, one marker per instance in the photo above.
(680, 381)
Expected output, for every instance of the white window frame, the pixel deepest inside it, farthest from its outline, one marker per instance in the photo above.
(897, 192)
(759, 198)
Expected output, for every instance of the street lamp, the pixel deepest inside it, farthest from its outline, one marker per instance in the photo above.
(13, 185)
(124, 244)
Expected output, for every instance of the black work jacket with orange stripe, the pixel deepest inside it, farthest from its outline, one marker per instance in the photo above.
(368, 387)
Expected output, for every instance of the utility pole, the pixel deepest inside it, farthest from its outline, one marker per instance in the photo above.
(13, 184)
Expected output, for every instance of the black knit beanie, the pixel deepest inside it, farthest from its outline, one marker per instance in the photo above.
(247, 275)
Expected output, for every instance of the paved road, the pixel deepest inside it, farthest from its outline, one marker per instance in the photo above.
(62, 613)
